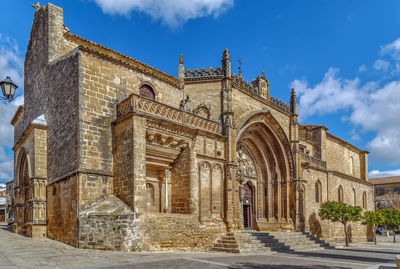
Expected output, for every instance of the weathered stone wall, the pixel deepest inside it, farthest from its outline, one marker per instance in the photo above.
(211, 179)
(123, 165)
(40, 159)
(104, 85)
(210, 147)
(205, 94)
(342, 159)
(150, 231)
(62, 116)
(180, 184)
(111, 232)
(93, 187)
(352, 194)
(244, 105)
(62, 204)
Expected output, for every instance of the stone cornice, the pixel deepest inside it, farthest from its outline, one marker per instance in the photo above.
(332, 137)
(336, 173)
(264, 101)
(81, 171)
(203, 156)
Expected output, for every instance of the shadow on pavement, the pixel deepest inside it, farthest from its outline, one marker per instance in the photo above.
(343, 257)
(280, 266)
(373, 251)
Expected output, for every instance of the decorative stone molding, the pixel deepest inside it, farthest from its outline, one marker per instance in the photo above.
(203, 73)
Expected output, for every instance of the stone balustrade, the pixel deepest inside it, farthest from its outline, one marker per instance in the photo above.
(137, 103)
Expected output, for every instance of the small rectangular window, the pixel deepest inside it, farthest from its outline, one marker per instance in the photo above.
(379, 191)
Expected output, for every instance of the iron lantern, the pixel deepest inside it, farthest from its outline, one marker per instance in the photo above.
(8, 88)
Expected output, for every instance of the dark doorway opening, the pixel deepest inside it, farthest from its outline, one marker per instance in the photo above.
(248, 207)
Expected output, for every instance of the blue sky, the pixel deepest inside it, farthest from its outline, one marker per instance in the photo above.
(343, 57)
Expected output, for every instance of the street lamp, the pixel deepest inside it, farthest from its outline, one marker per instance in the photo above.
(8, 88)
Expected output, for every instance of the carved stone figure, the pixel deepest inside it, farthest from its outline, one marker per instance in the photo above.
(185, 104)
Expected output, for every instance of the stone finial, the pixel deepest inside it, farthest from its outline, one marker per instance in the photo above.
(226, 54)
(181, 72)
(293, 102)
(263, 75)
(36, 6)
(226, 63)
(181, 59)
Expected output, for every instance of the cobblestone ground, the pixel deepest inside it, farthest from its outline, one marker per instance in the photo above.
(21, 252)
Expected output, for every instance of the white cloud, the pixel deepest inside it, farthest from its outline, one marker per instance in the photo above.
(381, 65)
(373, 106)
(330, 95)
(170, 12)
(362, 68)
(11, 64)
(392, 49)
(387, 173)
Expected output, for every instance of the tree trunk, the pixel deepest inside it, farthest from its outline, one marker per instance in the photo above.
(345, 234)
(375, 226)
(394, 237)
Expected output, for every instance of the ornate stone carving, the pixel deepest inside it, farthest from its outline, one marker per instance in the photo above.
(203, 73)
(166, 141)
(202, 109)
(185, 104)
(246, 163)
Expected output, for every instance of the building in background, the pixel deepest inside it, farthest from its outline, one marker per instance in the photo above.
(112, 153)
(9, 201)
(387, 192)
(3, 206)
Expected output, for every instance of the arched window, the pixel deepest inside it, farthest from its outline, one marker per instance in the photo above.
(355, 197)
(318, 192)
(340, 194)
(364, 200)
(23, 175)
(147, 92)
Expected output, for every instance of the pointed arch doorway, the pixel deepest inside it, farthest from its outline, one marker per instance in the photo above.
(248, 206)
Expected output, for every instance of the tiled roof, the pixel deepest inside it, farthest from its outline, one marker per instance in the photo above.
(385, 180)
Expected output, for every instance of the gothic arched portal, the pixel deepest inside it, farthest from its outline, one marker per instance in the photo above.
(265, 159)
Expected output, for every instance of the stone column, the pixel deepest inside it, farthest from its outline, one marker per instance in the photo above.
(139, 164)
(279, 215)
(166, 191)
(270, 201)
(194, 181)
(260, 200)
(287, 200)
(297, 192)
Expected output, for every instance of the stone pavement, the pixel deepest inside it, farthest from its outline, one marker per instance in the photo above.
(21, 252)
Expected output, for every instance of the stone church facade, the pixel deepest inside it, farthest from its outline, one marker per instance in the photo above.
(111, 153)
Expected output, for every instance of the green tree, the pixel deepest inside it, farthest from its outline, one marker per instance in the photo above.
(340, 212)
(391, 219)
(374, 218)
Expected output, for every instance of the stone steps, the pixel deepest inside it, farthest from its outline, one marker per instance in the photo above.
(252, 241)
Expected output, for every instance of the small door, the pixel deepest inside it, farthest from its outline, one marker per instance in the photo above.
(248, 207)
